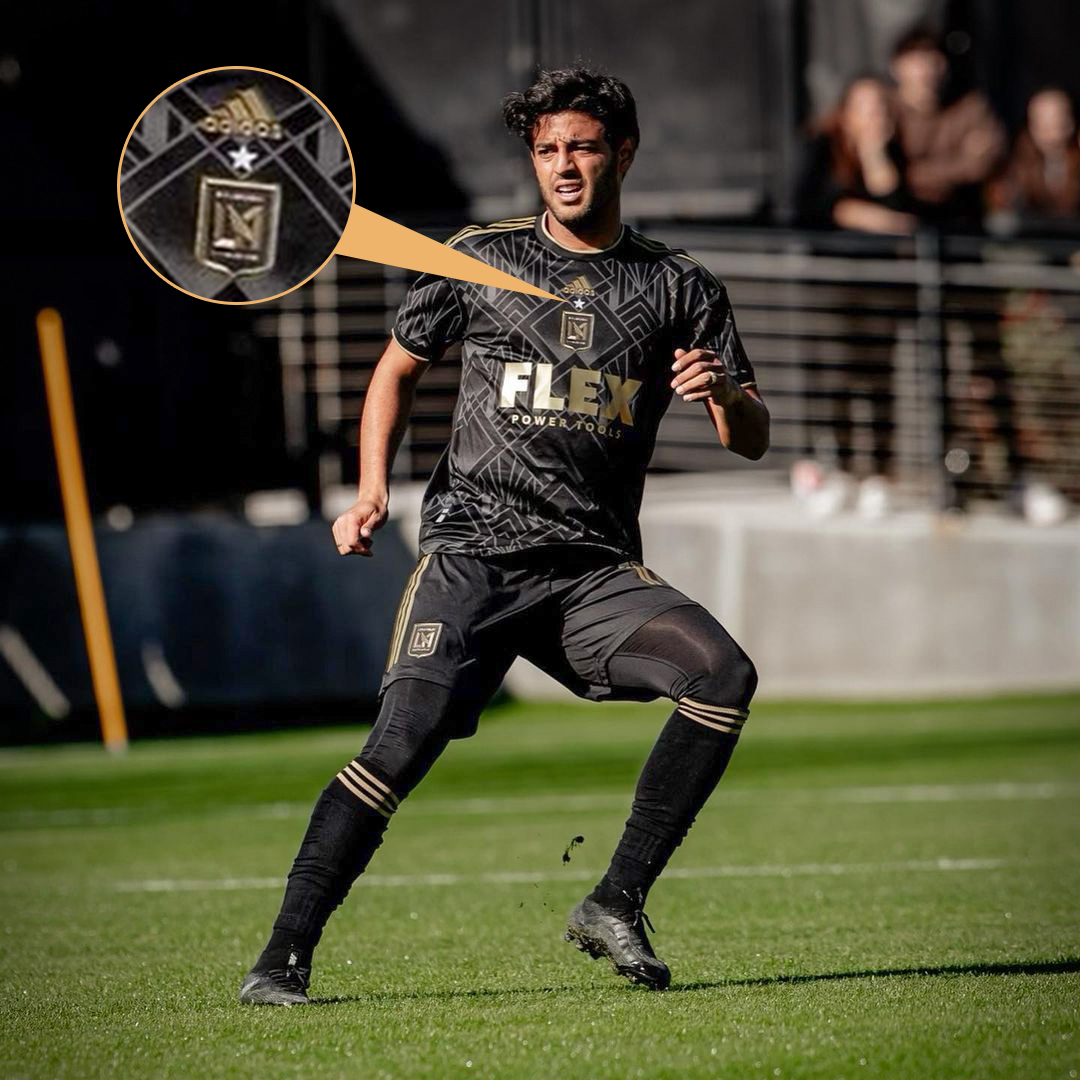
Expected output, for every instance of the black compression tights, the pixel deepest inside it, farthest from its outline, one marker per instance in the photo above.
(352, 813)
(684, 654)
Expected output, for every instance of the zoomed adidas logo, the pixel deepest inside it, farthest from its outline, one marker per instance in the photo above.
(243, 113)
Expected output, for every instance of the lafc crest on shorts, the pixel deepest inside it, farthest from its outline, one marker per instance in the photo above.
(424, 638)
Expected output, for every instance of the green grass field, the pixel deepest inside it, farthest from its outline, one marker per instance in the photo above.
(887, 890)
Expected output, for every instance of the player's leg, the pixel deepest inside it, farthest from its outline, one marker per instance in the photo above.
(439, 677)
(686, 655)
(415, 722)
(630, 635)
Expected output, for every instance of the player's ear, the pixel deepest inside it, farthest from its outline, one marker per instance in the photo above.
(625, 156)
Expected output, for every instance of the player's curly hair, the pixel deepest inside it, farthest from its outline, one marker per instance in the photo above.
(574, 89)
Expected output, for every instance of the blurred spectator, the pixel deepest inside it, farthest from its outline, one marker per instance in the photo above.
(951, 150)
(854, 173)
(1040, 183)
(854, 179)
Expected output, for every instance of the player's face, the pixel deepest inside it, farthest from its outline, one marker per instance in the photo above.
(578, 171)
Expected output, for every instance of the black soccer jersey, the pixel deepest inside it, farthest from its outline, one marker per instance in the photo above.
(559, 402)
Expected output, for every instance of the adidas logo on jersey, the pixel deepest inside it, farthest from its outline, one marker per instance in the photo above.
(243, 113)
(578, 287)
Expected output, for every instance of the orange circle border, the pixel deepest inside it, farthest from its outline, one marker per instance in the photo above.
(180, 82)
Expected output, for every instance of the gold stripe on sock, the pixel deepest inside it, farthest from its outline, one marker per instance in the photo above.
(730, 729)
(361, 796)
(720, 718)
(374, 781)
(721, 710)
(364, 785)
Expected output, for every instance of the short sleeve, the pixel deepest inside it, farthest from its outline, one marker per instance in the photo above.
(431, 318)
(711, 325)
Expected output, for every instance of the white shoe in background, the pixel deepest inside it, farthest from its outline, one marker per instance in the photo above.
(874, 499)
(1043, 504)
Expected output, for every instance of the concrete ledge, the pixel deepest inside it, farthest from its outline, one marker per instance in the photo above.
(910, 605)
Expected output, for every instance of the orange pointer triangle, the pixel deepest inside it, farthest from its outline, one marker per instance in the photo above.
(378, 239)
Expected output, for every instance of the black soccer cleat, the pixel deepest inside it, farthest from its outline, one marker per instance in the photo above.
(620, 936)
(278, 986)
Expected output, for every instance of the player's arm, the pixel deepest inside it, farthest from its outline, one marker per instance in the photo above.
(387, 406)
(737, 412)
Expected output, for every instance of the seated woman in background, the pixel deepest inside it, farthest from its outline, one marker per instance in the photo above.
(1040, 182)
(854, 173)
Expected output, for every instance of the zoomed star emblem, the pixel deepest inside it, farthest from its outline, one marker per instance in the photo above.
(243, 158)
(578, 302)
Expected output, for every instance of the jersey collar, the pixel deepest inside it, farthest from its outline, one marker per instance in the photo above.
(588, 254)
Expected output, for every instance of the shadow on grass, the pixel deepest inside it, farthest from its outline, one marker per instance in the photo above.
(1070, 965)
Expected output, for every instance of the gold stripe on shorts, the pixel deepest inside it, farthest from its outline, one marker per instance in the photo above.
(645, 574)
(405, 611)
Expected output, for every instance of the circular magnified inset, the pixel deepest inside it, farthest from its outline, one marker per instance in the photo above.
(235, 185)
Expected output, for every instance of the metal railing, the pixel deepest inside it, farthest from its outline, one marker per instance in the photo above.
(949, 365)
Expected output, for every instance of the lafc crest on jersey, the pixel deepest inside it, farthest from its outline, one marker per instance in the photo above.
(576, 331)
(237, 228)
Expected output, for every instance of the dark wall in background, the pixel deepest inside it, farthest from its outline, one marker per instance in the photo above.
(705, 75)
(206, 612)
(175, 405)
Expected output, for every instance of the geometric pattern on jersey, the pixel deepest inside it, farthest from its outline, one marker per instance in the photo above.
(560, 403)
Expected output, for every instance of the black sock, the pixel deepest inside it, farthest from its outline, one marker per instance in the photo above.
(683, 768)
(346, 828)
(351, 815)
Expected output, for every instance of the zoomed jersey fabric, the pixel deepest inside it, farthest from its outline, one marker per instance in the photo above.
(559, 403)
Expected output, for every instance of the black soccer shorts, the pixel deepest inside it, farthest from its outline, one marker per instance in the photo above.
(463, 619)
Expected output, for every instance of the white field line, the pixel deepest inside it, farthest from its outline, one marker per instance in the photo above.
(535, 877)
(570, 803)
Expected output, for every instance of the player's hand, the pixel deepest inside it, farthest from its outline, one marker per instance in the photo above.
(700, 374)
(353, 530)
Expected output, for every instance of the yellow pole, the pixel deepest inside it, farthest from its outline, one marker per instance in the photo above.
(95, 617)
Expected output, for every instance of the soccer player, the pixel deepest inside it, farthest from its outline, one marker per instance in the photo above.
(529, 539)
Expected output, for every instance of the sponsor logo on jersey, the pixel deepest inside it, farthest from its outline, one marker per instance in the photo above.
(424, 638)
(236, 231)
(243, 113)
(581, 395)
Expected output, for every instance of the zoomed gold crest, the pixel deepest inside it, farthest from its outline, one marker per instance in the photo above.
(237, 228)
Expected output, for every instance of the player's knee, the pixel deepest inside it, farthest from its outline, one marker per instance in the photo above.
(727, 678)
